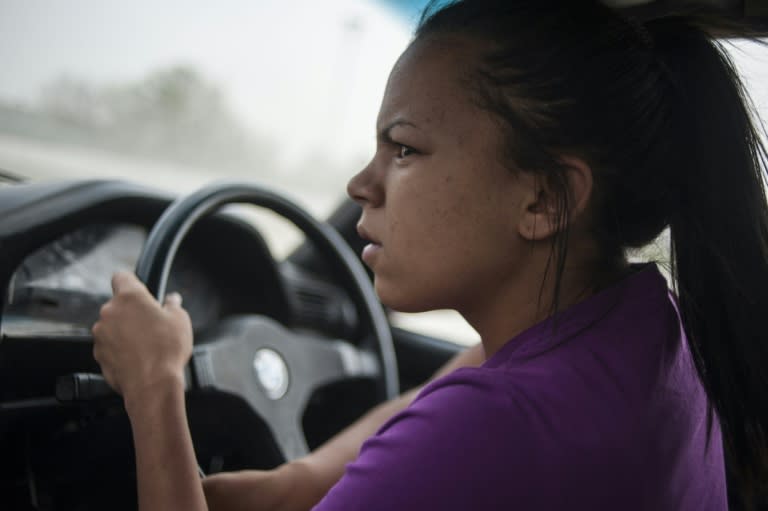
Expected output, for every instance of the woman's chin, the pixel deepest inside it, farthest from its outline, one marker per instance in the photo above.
(399, 299)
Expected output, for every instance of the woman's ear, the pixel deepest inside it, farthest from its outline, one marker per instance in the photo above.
(543, 216)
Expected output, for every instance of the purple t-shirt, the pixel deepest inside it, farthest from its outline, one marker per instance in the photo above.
(602, 412)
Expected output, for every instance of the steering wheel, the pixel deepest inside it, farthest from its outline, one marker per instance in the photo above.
(273, 368)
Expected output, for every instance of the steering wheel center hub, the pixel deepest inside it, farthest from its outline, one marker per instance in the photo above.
(271, 372)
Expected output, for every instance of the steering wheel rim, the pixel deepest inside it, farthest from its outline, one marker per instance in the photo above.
(154, 264)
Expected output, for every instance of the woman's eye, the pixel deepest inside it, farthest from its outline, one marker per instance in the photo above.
(404, 151)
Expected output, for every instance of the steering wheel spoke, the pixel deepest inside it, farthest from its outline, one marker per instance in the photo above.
(289, 437)
(336, 360)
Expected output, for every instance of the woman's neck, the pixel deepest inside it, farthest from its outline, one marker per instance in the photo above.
(521, 303)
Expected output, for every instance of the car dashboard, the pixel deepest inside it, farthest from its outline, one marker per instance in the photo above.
(60, 243)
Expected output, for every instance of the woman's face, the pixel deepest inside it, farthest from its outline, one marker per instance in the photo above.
(439, 207)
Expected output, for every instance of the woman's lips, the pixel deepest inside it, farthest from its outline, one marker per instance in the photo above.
(370, 251)
(372, 248)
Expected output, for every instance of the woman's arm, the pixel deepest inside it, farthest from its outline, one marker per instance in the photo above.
(300, 484)
(142, 348)
(166, 466)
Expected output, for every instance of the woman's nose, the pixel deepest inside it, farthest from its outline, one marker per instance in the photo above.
(365, 187)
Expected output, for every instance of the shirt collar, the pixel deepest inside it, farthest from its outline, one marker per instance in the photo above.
(644, 284)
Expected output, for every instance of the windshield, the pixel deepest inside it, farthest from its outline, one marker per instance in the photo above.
(175, 94)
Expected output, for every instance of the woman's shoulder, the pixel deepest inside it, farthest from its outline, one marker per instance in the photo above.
(472, 440)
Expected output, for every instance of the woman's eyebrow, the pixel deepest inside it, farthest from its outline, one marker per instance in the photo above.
(385, 133)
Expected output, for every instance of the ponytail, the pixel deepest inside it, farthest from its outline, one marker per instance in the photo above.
(719, 229)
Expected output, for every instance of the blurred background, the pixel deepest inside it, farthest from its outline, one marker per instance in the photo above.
(178, 93)
(175, 93)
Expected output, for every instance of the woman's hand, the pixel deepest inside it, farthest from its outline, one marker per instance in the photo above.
(140, 345)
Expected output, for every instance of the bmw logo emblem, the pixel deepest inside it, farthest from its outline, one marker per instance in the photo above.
(271, 372)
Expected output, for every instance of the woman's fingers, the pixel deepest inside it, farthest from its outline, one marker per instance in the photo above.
(173, 300)
(123, 281)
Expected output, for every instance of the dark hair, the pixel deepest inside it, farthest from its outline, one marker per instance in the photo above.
(659, 113)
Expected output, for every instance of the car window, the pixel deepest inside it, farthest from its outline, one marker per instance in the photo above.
(175, 94)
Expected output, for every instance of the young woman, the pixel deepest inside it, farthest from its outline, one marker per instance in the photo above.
(523, 147)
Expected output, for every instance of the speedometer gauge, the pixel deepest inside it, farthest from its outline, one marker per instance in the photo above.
(83, 260)
(60, 254)
(60, 287)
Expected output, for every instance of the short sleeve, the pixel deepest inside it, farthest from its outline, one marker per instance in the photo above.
(450, 449)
